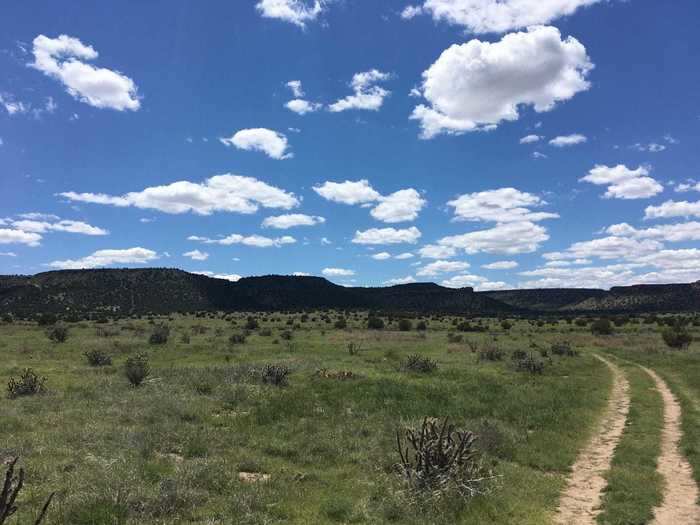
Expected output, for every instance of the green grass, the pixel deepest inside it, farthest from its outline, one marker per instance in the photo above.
(170, 451)
(634, 487)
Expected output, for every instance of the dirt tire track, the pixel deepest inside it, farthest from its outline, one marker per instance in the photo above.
(580, 501)
(680, 496)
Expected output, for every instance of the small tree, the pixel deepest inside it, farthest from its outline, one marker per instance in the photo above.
(341, 323)
(677, 337)
(405, 325)
(58, 334)
(375, 323)
(421, 326)
(251, 323)
(137, 369)
(159, 335)
(601, 327)
(506, 324)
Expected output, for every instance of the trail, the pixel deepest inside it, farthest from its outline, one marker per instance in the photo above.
(680, 497)
(580, 501)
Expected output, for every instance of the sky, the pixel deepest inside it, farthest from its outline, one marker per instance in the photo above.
(487, 143)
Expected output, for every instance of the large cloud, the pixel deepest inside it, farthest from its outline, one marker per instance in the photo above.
(500, 205)
(496, 16)
(34, 226)
(102, 258)
(366, 94)
(270, 142)
(673, 209)
(387, 236)
(623, 182)
(9, 236)
(479, 84)
(437, 267)
(62, 58)
(221, 193)
(505, 238)
(297, 12)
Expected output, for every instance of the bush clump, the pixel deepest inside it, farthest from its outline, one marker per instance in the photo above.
(601, 327)
(421, 326)
(437, 459)
(375, 323)
(237, 339)
(251, 323)
(405, 325)
(159, 335)
(341, 323)
(491, 353)
(275, 375)
(563, 349)
(137, 369)
(531, 364)
(676, 337)
(58, 333)
(28, 384)
(97, 357)
(418, 363)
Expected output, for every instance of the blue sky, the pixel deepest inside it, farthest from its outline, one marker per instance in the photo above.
(515, 144)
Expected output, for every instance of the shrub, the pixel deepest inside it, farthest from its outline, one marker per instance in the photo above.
(159, 335)
(97, 357)
(252, 323)
(518, 354)
(421, 326)
(677, 337)
(237, 339)
(265, 332)
(506, 325)
(11, 488)
(454, 338)
(601, 327)
(530, 364)
(341, 323)
(354, 348)
(28, 384)
(437, 458)
(563, 349)
(405, 325)
(581, 322)
(286, 335)
(58, 334)
(490, 353)
(137, 369)
(324, 373)
(275, 375)
(47, 319)
(420, 364)
(375, 323)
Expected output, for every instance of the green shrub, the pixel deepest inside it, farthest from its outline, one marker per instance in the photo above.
(137, 369)
(58, 333)
(420, 364)
(530, 364)
(601, 327)
(275, 375)
(237, 339)
(490, 353)
(28, 384)
(421, 326)
(676, 337)
(506, 325)
(405, 325)
(97, 357)
(375, 323)
(252, 323)
(47, 319)
(563, 348)
(341, 323)
(159, 335)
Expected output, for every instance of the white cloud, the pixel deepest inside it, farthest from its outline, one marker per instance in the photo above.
(500, 205)
(501, 265)
(404, 256)
(233, 277)
(623, 182)
(12, 106)
(563, 141)
(500, 16)
(400, 206)
(297, 12)
(381, 256)
(438, 267)
(35, 226)
(411, 11)
(268, 141)
(196, 255)
(387, 236)
(8, 236)
(290, 220)
(62, 58)
(257, 241)
(302, 107)
(301, 274)
(690, 185)
(506, 238)
(337, 272)
(486, 286)
(673, 209)
(103, 258)
(348, 192)
(478, 85)
(530, 139)
(221, 193)
(400, 280)
(685, 231)
(650, 148)
(537, 155)
(612, 247)
(434, 251)
(295, 86)
(367, 95)
(8, 254)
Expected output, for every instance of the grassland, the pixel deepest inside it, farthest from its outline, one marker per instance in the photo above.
(172, 450)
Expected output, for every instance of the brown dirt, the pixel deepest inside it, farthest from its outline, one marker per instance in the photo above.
(680, 497)
(580, 502)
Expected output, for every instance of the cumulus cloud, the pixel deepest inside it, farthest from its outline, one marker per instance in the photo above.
(63, 58)
(295, 86)
(435, 251)
(297, 12)
(673, 209)
(257, 241)
(623, 182)
(400, 280)
(302, 107)
(689, 185)
(367, 95)
(477, 85)
(500, 205)
(563, 141)
(290, 220)
(506, 238)
(36, 226)
(337, 272)
(411, 11)
(12, 106)
(102, 258)
(233, 277)
(221, 193)
(381, 256)
(196, 255)
(272, 143)
(387, 236)
(685, 231)
(501, 265)
(611, 247)
(404, 256)
(439, 267)
(530, 139)
(400, 206)
(9, 236)
(496, 16)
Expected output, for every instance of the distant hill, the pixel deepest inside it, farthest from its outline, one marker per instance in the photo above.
(164, 290)
(161, 290)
